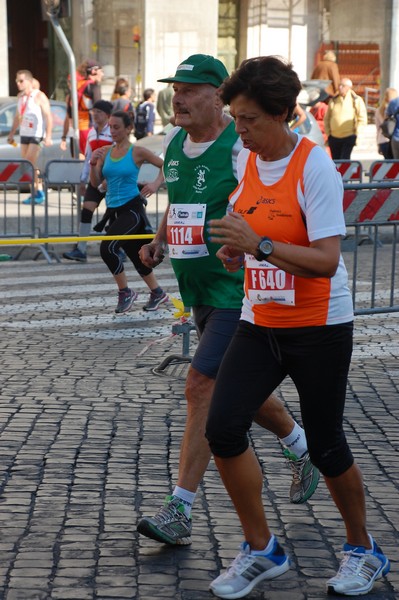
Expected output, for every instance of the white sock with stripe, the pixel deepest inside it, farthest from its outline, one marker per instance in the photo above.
(296, 441)
(187, 499)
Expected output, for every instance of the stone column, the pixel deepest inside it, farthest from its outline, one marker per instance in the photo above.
(4, 83)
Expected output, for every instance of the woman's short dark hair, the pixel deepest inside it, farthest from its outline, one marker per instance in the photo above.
(126, 118)
(270, 81)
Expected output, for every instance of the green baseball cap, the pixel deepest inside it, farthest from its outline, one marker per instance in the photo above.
(199, 68)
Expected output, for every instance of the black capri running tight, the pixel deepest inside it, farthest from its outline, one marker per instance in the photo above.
(257, 360)
(129, 220)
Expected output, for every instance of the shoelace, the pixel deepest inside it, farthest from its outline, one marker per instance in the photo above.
(166, 513)
(354, 563)
(296, 466)
(241, 562)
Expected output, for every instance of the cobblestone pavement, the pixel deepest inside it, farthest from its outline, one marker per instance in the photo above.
(89, 438)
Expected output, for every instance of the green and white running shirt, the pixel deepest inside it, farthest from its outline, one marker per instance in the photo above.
(198, 190)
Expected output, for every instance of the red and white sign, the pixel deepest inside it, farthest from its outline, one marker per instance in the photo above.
(350, 170)
(380, 170)
(16, 172)
(378, 206)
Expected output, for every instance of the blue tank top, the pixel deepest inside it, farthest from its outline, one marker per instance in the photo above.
(121, 175)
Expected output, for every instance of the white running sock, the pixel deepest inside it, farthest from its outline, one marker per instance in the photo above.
(296, 441)
(267, 550)
(84, 231)
(187, 499)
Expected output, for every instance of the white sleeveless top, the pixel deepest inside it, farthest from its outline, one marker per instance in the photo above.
(32, 123)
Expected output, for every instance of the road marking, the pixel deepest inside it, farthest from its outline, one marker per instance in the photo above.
(91, 320)
(92, 304)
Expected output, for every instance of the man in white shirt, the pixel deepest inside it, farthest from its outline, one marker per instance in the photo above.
(34, 120)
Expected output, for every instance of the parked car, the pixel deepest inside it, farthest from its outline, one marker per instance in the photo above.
(8, 107)
(312, 92)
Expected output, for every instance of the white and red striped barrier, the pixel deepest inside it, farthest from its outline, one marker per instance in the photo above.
(350, 170)
(382, 170)
(18, 171)
(375, 205)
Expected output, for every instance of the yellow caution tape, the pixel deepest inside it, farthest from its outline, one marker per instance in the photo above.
(75, 239)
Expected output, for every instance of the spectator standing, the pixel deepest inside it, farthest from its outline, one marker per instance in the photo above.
(144, 119)
(99, 136)
(346, 115)
(393, 109)
(89, 75)
(302, 328)
(164, 104)
(200, 172)
(327, 70)
(34, 120)
(121, 87)
(383, 143)
(118, 167)
(121, 97)
(319, 112)
(67, 130)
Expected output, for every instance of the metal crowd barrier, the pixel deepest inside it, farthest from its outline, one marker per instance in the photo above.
(59, 214)
(372, 258)
(44, 219)
(350, 170)
(61, 180)
(380, 170)
(183, 329)
(384, 170)
(16, 184)
(372, 207)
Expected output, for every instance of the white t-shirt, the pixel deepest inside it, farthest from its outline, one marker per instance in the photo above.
(322, 201)
(194, 149)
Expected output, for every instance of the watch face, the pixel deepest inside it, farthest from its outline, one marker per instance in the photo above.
(266, 247)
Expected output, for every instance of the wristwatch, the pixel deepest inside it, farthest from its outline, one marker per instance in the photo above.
(264, 249)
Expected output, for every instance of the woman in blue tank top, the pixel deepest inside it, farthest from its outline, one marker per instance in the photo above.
(116, 169)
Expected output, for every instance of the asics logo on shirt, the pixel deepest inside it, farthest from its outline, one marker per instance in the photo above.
(263, 200)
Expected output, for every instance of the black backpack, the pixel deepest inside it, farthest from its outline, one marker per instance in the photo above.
(388, 125)
(141, 120)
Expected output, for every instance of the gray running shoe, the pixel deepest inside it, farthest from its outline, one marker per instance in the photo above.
(305, 477)
(125, 301)
(154, 300)
(247, 570)
(169, 526)
(76, 254)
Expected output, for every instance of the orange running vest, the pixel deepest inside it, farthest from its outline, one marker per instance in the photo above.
(274, 211)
